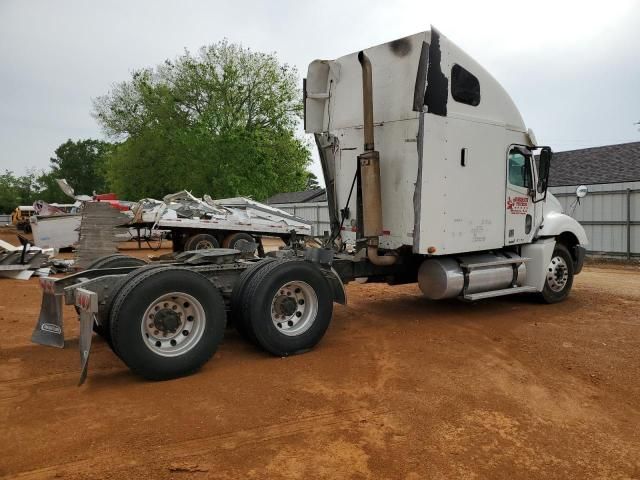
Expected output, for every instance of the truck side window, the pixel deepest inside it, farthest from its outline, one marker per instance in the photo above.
(519, 169)
(465, 87)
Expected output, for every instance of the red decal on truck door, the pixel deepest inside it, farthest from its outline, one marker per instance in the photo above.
(518, 205)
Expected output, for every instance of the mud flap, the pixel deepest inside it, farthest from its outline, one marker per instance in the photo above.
(49, 329)
(87, 303)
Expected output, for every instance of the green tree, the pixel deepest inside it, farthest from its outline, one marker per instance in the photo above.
(82, 164)
(220, 122)
(18, 190)
(312, 182)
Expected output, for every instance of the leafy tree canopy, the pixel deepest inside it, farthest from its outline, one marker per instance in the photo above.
(312, 182)
(82, 164)
(17, 190)
(220, 122)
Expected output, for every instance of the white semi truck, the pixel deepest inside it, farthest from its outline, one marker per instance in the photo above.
(431, 176)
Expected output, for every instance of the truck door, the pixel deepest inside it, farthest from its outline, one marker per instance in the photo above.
(519, 206)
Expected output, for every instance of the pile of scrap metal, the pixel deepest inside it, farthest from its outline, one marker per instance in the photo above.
(21, 262)
(185, 215)
(176, 205)
(58, 226)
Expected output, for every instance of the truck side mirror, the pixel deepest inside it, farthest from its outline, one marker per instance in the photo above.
(543, 171)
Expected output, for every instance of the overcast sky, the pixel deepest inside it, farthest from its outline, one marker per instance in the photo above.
(573, 68)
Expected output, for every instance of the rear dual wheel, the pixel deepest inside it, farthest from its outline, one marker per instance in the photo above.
(111, 261)
(116, 260)
(238, 299)
(167, 322)
(285, 306)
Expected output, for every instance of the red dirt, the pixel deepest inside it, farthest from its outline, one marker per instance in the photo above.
(400, 387)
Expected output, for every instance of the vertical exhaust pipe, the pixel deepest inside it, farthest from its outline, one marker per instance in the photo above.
(370, 173)
(367, 101)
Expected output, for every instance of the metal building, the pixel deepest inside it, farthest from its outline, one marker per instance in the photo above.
(310, 205)
(610, 213)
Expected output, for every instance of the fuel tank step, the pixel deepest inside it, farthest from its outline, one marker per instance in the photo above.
(494, 263)
(498, 293)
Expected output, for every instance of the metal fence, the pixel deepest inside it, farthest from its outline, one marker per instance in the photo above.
(4, 219)
(610, 214)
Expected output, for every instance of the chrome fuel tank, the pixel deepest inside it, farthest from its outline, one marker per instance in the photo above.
(445, 277)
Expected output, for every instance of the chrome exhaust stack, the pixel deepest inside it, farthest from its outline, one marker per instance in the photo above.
(369, 163)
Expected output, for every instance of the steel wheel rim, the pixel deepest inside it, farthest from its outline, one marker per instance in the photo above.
(557, 274)
(294, 308)
(238, 244)
(204, 245)
(175, 309)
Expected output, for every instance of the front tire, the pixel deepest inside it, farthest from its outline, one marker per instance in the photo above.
(167, 323)
(559, 276)
(289, 306)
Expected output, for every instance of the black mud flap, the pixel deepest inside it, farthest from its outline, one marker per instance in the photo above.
(337, 287)
(49, 329)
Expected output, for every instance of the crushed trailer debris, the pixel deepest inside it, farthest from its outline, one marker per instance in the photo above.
(21, 262)
(98, 230)
(200, 223)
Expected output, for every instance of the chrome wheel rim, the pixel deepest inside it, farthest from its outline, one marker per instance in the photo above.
(557, 274)
(173, 324)
(294, 308)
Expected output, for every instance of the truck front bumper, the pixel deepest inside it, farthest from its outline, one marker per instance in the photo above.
(579, 253)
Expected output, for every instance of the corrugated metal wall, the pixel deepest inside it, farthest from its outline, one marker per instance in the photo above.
(316, 212)
(610, 214)
(603, 213)
(4, 219)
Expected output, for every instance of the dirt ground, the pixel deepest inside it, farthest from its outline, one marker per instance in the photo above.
(399, 388)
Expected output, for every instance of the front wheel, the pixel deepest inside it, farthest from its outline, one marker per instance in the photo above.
(559, 276)
(167, 323)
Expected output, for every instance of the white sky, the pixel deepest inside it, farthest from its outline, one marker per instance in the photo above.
(573, 68)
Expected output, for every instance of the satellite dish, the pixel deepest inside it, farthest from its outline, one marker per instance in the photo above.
(581, 191)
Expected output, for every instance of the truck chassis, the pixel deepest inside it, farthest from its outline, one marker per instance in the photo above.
(167, 318)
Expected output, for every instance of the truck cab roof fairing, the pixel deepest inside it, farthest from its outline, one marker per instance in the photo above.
(333, 100)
